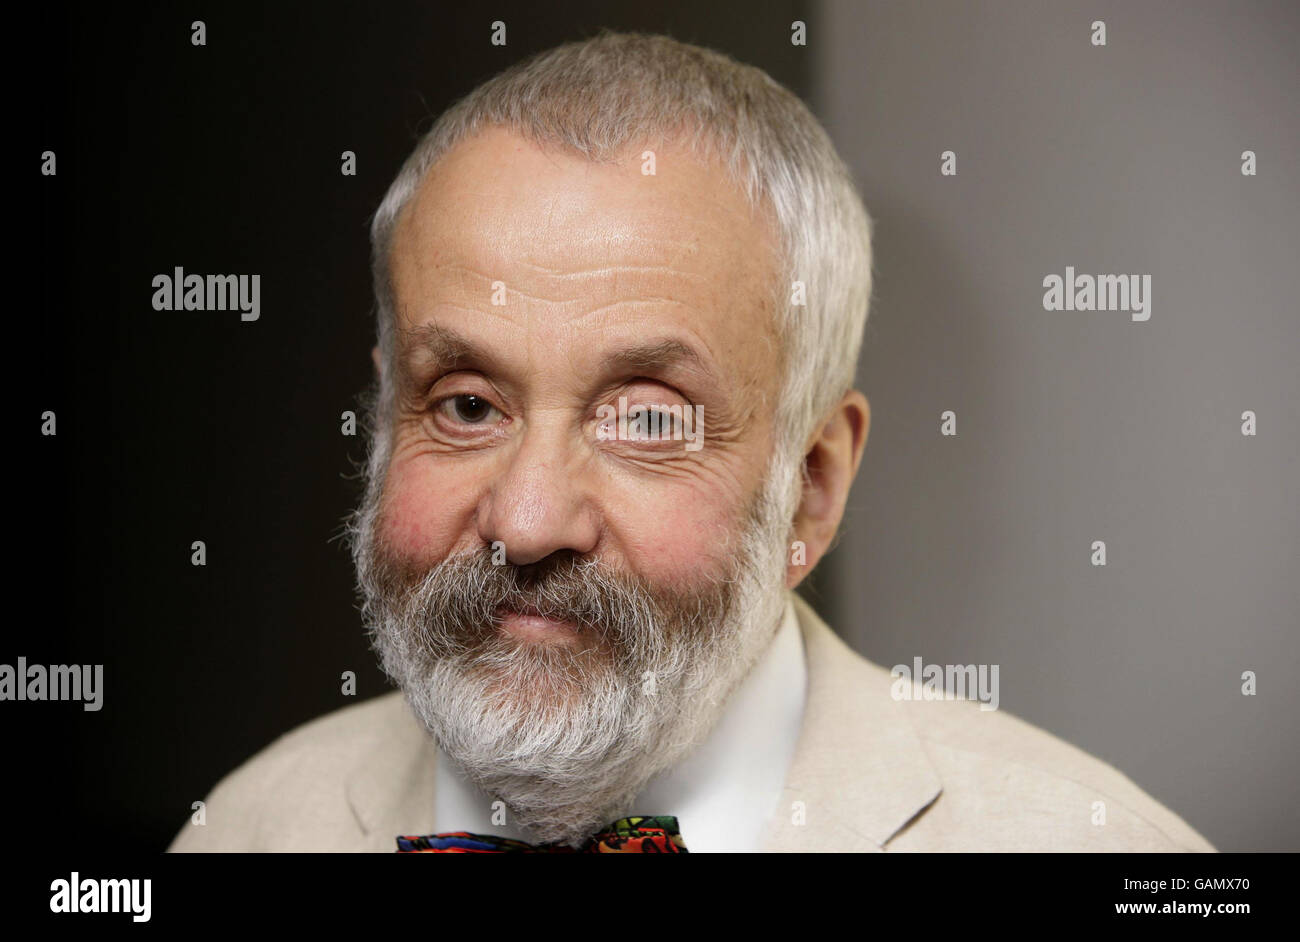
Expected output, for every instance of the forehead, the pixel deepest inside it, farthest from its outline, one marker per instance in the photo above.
(587, 251)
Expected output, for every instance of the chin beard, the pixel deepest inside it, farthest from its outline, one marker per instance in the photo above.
(567, 735)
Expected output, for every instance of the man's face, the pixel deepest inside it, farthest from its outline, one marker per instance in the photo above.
(566, 609)
(616, 284)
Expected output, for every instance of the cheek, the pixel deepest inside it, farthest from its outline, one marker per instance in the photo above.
(424, 516)
(686, 536)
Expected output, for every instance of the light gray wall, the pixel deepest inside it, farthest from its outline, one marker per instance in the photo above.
(1082, 426)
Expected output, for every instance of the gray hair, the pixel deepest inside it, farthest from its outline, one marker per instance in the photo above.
(597, 96)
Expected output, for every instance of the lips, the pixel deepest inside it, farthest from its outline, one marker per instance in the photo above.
(527, 622)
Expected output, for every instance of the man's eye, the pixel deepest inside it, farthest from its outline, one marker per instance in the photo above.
(471, 410)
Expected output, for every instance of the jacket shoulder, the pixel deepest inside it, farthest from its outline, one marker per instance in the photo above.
(1000, 783)
(1023, 788)
(290, 796)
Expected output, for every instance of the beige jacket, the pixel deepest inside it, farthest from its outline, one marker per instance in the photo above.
(870, 773)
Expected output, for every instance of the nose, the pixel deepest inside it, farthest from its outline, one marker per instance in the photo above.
(541, 502)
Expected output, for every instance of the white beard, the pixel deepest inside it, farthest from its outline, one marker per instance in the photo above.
(567, 738)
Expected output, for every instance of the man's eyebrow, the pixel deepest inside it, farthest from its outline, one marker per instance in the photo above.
(658, 355)
(427, 347)
(440, 346)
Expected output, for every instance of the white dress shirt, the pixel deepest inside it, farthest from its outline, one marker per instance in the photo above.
(723, 792)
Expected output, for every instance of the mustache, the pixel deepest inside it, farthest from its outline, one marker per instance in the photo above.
(563, 586)
(456, 606)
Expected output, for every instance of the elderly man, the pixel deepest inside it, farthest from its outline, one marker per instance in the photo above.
(621, 290)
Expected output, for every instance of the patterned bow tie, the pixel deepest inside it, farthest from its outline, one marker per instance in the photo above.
(653, 835)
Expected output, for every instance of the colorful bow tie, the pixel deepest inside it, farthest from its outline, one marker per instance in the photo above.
(653, 835)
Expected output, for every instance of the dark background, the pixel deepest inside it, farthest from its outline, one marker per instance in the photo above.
(177, 426)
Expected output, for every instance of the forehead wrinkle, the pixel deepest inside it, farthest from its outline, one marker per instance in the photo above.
(612, 270)
(607, 293)
(474, 275)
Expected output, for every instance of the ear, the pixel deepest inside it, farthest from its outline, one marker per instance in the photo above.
(830, 464)
(377, 360)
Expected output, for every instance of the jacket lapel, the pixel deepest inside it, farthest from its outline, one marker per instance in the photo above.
(390, 790)
(859, 772)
